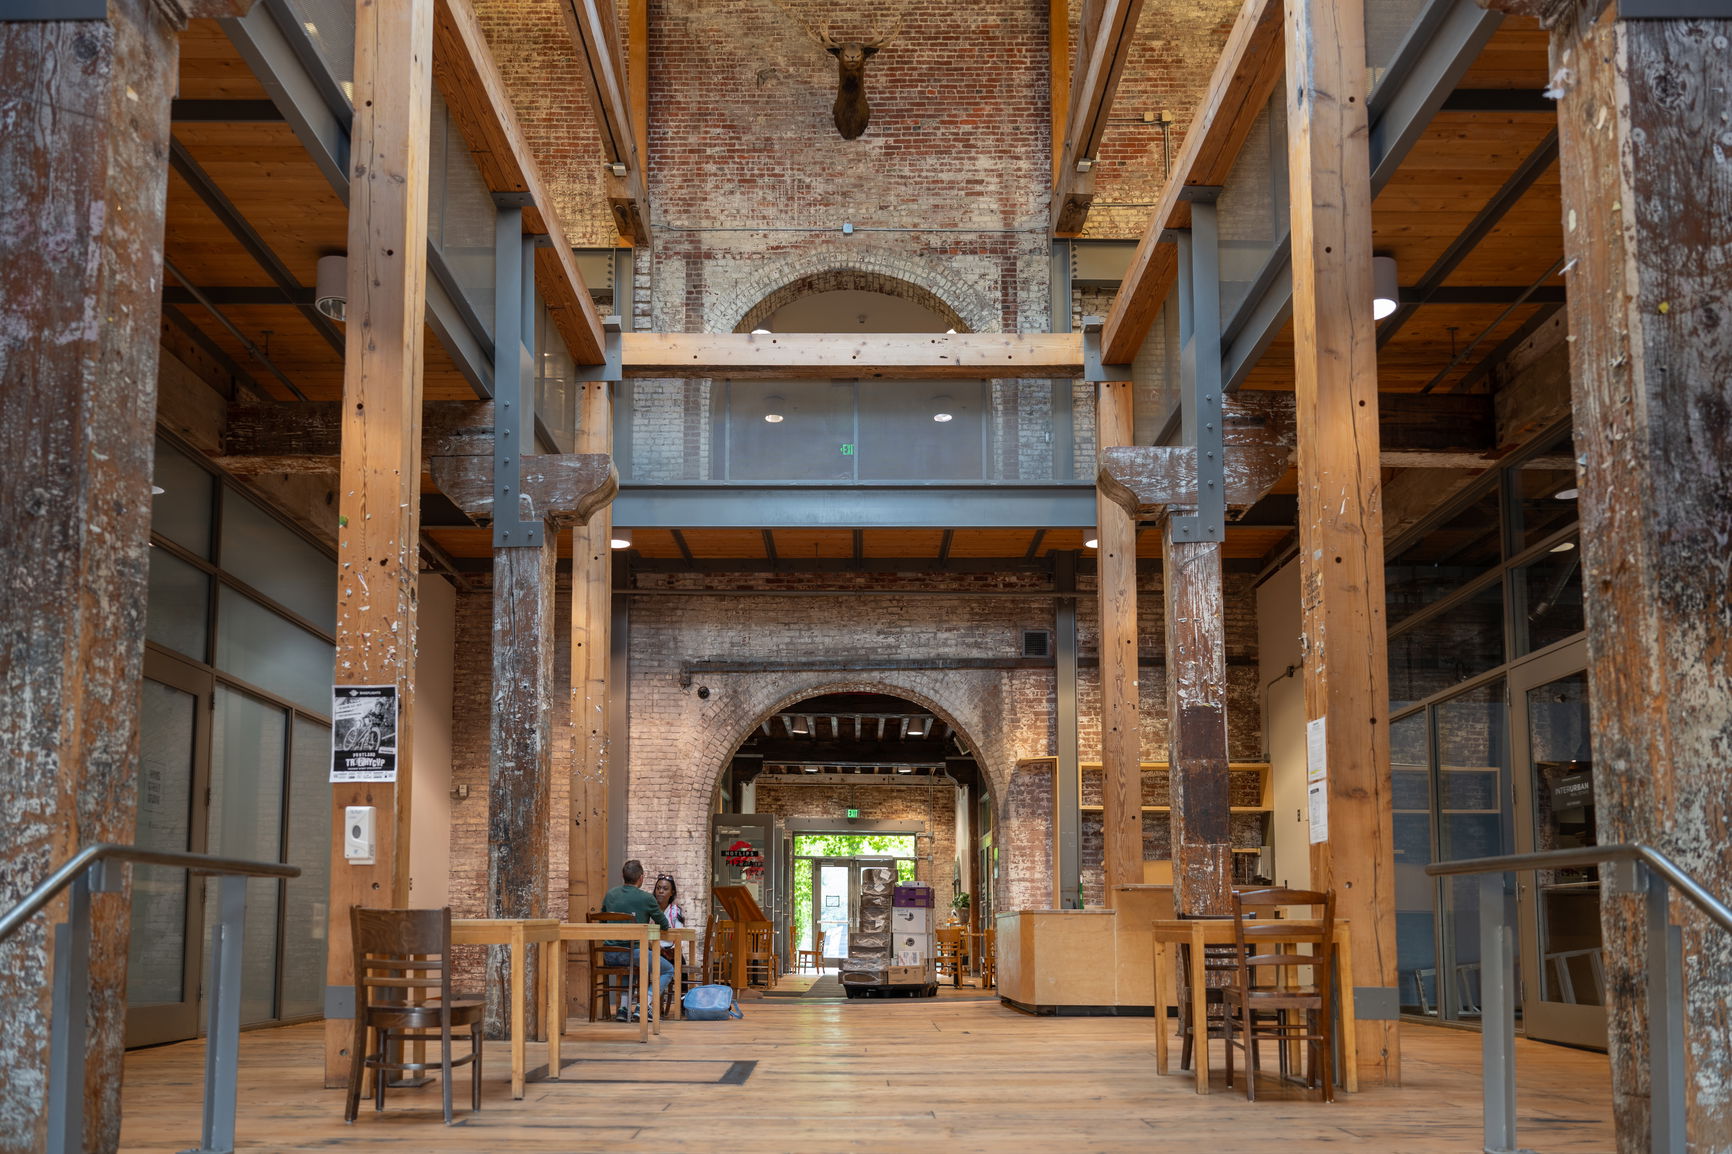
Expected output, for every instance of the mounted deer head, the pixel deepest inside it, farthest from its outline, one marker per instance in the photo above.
(850, 112)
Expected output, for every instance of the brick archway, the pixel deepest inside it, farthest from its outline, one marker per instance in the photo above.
(964, 308)
(849, 280)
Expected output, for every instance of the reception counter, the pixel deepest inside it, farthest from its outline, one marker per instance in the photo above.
(1093, 961)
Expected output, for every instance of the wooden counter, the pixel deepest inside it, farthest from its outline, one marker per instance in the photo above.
(1093, 961)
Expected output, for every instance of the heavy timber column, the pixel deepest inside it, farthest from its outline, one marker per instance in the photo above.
(591, 615)
(1197, 723)
(1121, 754)
(379, 508)
(1647, 205)
(82, 163)
(1340, 512)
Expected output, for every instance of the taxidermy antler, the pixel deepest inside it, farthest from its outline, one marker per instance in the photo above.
(850, 112)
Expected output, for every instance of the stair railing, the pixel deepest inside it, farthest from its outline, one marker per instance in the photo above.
(98, 869)
(1636, 869)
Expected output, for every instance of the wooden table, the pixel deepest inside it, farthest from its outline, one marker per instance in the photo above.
(680, 937)
(519, 934)
(643, 935)
(1200, 932)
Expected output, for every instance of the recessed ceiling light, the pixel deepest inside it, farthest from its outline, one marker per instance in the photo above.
(1563, 546)
(941, 406)
(1091, 542)
(1569, 494)
(905, 769)
(157, 490)
(760, 332)
(620, 538)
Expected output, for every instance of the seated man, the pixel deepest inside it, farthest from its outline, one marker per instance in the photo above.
(631, 898)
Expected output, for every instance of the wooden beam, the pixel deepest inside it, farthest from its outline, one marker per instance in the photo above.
(1648, 233)
(1248, 71)
(1197, 723)
(637, 77)
(314, 430)
(1091, 102)
(481, 108)
(561, 489)
(1145, 480)
(587, 876)
(520, 761)
(1058, 82)
(591, 26)
(888, 356)
(1340, 518)
(82, 162)
(379, 501)
(1121, 734)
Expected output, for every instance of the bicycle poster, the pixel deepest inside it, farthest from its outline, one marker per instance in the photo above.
(364, 733)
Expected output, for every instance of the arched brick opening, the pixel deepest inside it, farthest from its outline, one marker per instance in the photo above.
(849, 280)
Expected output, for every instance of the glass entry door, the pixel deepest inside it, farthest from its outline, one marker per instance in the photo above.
(1563, 982)
(165, 948)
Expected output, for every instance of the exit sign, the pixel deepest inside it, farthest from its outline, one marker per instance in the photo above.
(853, 813)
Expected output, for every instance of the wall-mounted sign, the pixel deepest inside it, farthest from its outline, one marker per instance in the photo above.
(1317, 778)
(364, 733)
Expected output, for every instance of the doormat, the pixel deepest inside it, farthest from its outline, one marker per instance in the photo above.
(664, 1071)
(826, 986)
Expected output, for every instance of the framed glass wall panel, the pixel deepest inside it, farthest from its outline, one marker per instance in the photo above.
(1415, 893)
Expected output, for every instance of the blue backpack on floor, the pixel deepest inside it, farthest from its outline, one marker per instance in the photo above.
(710, 1004)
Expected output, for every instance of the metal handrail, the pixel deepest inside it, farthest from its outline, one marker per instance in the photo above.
(91, 871)
(1646, 871)
(197, 863)
(1674, 874)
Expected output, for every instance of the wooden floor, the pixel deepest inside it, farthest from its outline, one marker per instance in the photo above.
(886, 1076)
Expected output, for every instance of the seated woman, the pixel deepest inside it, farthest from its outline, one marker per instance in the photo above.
(666, 893)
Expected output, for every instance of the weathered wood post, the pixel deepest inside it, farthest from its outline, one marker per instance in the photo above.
(1121, 734)
(1643, 139)
(379, 504)
(83, 162)
(1340, 516)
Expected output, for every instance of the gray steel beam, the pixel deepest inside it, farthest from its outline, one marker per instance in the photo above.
(224, 112)
(1067, 801)
(1200, 388)
(674, 506)
(1436, 56)
(249, 295)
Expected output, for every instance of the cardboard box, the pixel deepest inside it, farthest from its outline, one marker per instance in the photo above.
(907, 976)
(912, 895)
(911, 920)
(920, 944)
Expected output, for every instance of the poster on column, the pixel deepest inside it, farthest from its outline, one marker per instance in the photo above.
(364, 733)
(1317, 779)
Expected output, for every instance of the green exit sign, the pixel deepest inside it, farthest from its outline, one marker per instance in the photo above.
(847, 450)
(853, 813)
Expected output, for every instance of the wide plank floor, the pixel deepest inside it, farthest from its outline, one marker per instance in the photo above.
(887, 1077)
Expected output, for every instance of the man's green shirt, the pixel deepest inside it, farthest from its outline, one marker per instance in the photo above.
(636, 901)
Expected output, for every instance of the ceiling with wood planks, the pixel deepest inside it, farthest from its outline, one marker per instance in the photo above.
(1472, 218)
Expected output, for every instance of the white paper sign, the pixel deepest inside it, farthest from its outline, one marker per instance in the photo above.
(1317, 778)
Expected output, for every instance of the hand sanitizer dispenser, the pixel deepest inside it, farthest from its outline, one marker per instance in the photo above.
(359, 834)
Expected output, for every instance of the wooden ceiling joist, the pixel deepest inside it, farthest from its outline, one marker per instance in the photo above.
(885, 356)
(464, 68)
(592, 26)
(1091, 102)
(1251, 65)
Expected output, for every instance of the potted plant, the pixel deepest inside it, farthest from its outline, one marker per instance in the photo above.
(959, 908)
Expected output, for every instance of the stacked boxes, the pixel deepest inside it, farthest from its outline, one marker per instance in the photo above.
(911, 936)
(870, 946)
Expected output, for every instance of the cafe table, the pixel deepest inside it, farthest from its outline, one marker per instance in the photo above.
(645, 936)
(1200, 932)
(518, 935)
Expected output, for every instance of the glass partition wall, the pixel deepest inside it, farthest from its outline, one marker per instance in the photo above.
(235, 751)
(1479, 597)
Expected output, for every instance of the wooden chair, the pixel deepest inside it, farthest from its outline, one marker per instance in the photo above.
(762, 965)
(986, 961)
(815, 955)
(605, 981)
(400, 957)
(718, 961)
(1281, 1010)
(1218, 965)
(950, 952)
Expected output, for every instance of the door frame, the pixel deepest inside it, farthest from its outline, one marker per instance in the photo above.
(149, 1024)
(1568, 1023)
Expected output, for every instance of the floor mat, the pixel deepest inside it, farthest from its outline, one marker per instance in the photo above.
(825, 986)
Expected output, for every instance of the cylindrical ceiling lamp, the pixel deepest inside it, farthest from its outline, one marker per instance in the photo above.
(331, 296)
(621, 538)
(1385, 286)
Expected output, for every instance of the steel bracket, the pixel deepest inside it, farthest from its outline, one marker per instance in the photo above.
(611, 368)
(1093, 368)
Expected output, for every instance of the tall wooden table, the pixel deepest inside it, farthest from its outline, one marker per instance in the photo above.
(1200, 932)
(643, 936)
(519, 934)
(680, 938)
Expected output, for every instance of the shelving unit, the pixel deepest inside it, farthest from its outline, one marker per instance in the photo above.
(1250, 806)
